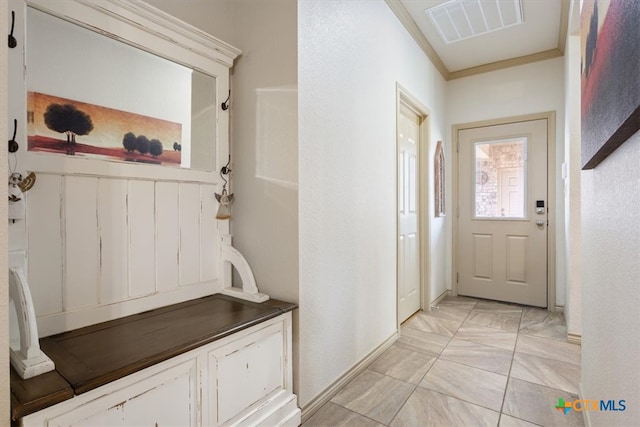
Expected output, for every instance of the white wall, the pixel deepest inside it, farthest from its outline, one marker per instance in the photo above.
(526, 89)
(264, 138)
(610, 279)
(573, 302)
(211, 16)
(351, 54)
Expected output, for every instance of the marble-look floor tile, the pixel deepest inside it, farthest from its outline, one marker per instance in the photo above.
(481, 356)
(496, 306)
(536, 404)
(332, 415)
(548, 372)
(549, 348)
(403, 364)
(459, 300)
(466, 383)
(506, 320)
(435, 325)
(542, 323)
(422, 341)
(426, 408)
(374, 395)
(487, 336)
(508, 421)
(457, 313)
(533, 315)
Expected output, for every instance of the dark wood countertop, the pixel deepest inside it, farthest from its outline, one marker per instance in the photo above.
(89, 357)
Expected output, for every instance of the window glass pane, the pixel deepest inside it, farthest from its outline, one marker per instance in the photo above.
(500, 178)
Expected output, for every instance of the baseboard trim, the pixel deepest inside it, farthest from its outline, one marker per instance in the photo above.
(585, 414)
(574, 338)
(440, 298)
(326, 395)
(559, 309)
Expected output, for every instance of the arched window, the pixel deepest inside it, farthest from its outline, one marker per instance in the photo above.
(439, 180)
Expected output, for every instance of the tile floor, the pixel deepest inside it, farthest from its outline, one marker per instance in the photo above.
(468, 363)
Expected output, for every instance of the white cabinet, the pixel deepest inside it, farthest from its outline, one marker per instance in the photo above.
(244, 379)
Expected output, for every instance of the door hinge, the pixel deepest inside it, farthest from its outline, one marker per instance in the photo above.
(457, 277)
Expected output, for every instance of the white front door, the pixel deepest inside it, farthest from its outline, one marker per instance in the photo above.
(502, 224)
(408, 209)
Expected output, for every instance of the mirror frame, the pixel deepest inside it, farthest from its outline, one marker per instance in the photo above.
(152, 30)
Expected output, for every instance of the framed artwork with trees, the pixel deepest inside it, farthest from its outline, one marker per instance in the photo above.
(58, 125)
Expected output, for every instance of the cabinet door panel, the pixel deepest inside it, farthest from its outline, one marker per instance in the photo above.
(168, 398)
(247, 371)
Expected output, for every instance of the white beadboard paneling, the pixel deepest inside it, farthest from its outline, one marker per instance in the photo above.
(81, 242)
(112, 223)
(168, 235)
(142, 237)
(45, 244)
(189, 234)
(208, 233)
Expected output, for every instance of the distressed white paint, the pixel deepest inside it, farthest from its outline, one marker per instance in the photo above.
(44, 214)
(114, 250)
(81, 243)
(209, 247)
(26, 357)
(107, 239)
(168, 236)
(244, 379)
(347, 171)
(189, 233)
(141, 219)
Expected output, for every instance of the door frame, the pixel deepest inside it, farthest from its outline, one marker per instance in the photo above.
(404, 97)
(550, 116)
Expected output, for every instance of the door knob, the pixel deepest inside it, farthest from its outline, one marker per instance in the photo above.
(540, 222)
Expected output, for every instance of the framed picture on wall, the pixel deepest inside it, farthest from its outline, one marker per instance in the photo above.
(610, 79)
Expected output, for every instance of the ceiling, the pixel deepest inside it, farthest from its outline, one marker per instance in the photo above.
(540, 36)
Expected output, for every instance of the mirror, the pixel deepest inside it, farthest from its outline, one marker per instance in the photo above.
(91, 95)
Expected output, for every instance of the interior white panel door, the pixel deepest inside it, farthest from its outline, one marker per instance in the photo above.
(408, 138)
(502, 237)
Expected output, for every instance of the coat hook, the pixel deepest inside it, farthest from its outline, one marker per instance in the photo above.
(13, 145)
(225, 104)
(12, 40)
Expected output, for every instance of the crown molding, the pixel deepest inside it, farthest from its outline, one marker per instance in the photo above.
(413, 29)
(507, 63)
(410, 25)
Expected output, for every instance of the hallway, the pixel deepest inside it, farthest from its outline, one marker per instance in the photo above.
(468, 362)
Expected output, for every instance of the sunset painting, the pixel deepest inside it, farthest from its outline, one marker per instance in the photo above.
(59, 125)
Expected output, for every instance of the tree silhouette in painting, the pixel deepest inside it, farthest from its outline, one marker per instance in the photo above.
(67, 119)
(142, 144)
(130, 142)
(155, 147)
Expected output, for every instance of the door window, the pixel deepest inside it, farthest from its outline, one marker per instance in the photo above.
(500, 179)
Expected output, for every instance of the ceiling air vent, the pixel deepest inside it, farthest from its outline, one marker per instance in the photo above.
(458, 20)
